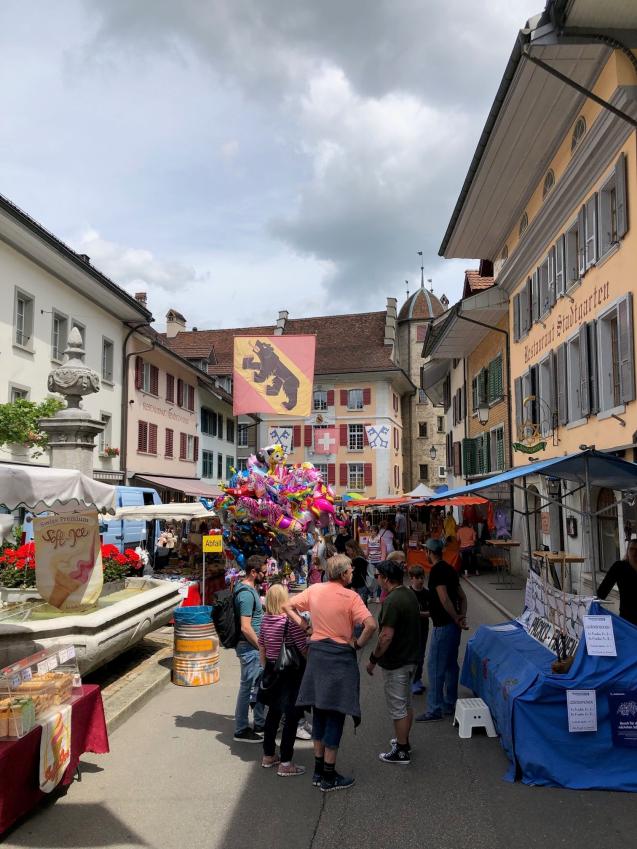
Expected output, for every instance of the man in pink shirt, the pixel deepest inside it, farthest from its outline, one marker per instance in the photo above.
(331, 682)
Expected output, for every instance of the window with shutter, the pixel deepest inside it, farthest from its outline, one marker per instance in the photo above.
(355, 437)
(183, 446)
(581, 240)
(342, 435)
(574, 379)
(560, 276)
(142, 437)
(519, 413)
(331, 474)
(343, 397)
(296, 436)
(342, 474)
(367, 398)
(169, 443)
(330, 397)
(474, 395)
(196, 448)
(551, 277)
(584, 372)
(593, 366)
(368, 474)
(543, 286)
(170, 388)
(516, 317)
(180, 392)
(139, 372)
(457, 458)
(626, 349)
(154, 380)
(590, 225)
(468, 457)
(621, 196)
(152, 438)
(307, 436)
(535, 297)
(560, 382)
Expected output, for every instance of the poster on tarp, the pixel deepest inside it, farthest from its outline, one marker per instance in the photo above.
(622, 709)
(549, 611)
(68, 560)
(581, 707)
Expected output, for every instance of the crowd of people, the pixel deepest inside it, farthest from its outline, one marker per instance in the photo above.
(298, 653)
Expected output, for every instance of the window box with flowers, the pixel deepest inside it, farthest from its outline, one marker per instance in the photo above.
(109, 451)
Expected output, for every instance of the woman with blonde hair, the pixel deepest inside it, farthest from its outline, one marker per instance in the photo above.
(279, 690)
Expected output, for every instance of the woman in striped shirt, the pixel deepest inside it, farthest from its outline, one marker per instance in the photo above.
(281, 695)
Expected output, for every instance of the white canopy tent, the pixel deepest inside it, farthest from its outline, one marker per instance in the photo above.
(40, 489)
(163, 512)
(423, 491)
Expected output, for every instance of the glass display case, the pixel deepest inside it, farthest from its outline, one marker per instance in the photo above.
(35, 686)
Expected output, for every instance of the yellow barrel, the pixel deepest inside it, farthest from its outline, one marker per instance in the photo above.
(196, 655)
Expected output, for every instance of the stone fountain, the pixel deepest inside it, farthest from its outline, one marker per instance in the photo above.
(123, 615)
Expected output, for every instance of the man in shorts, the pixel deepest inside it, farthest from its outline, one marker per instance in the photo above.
(397, 655)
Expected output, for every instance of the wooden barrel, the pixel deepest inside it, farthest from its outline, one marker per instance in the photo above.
(196, 655)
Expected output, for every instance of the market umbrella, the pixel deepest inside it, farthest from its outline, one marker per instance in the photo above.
(352, 496)
(40, 488)
(175, 512)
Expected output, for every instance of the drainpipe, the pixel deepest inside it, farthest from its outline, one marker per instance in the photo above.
(123, 453)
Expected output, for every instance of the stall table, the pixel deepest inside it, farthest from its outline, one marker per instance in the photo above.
(562, 559)
(506, 545)
(20, 759)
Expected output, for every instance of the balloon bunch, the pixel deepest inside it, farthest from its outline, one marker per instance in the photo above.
(286, 498)
(243, 539)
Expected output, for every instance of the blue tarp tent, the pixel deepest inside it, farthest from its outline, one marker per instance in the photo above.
(512, 672)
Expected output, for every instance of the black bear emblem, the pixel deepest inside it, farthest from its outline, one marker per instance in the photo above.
(266, 364)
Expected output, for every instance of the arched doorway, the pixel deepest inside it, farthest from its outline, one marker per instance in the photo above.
(607, 529)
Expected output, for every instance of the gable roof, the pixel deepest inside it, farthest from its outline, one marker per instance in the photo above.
(344, 343)
(474, 282)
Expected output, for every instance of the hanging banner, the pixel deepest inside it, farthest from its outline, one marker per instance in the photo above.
(377, 435)
(68, 560)
(273, 375)
(281, 436)
(325, 440)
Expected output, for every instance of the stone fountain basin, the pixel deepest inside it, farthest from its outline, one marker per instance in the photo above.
(99, 633)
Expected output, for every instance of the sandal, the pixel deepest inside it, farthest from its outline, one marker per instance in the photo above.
(286, 770)
(268, 761)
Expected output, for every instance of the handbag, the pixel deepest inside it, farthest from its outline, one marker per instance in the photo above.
(289, 655)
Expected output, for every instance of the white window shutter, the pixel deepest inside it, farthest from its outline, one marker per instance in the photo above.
(560, 267)
(594, 366)
(562, 392)
(516, 318)
(584, 393)
(551, 280)
(581, 240)
(535, 297)
(591, 230)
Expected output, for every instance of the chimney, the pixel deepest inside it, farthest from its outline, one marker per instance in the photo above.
(390, 322)
(85, 258)
(280, 322)
(444, 300)
(141, 297)
(175, 323)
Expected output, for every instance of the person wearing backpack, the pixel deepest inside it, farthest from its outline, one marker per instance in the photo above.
(249, 613)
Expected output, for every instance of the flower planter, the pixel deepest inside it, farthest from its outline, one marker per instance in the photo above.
(13, 595)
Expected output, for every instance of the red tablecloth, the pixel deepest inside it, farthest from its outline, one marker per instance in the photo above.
(20, 759)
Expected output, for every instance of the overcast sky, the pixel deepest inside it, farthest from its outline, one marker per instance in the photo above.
(238, 157)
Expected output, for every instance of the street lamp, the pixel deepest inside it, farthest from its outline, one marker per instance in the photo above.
(483, 412)
(433, 452)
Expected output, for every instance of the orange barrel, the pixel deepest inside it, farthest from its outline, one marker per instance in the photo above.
(196, 655)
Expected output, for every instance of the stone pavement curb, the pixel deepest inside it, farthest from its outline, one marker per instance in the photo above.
(489, 598)
(133, 690)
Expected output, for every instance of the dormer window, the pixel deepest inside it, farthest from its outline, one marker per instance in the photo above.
(549, 182)
(524, 223)
(579, 131)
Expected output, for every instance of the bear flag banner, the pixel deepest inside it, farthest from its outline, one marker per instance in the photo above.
(273, 375)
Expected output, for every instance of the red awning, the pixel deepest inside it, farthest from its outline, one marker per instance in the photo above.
(457, 501)
(194, 487)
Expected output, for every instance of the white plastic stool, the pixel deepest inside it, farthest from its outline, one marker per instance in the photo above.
(473, 713)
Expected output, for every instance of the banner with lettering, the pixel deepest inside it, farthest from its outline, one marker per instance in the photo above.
(68, 560)
(549, 611)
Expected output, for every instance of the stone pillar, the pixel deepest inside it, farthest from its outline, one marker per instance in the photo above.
(72, 431)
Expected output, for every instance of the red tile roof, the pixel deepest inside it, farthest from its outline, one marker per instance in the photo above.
(473, 283)
(343, 342)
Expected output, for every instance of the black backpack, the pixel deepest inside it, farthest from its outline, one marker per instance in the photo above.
(226, 619)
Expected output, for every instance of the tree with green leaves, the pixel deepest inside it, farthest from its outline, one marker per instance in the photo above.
(19, 422)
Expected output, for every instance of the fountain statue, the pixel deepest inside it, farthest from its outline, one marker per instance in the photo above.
(72, 431)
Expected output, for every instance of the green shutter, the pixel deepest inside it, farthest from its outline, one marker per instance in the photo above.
(468, 457)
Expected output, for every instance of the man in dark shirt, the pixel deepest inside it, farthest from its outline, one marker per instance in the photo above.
(624, 574)
(341, 539)
(448, 611)
(417, 584)
(397, 655)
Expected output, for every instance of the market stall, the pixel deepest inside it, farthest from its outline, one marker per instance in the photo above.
(561, 680)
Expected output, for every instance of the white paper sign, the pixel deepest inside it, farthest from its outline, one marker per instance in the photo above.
(600, 639)
(582, 710)
(507, 627)
(52, 662)
(43, 666)
(26, 674)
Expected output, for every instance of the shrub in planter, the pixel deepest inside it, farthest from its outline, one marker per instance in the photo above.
(17, 566)
(118, 566)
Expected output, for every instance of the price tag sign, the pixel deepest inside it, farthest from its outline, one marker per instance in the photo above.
(600, 638)
(43, 666)
(52, 663)
(26, 674)
(212, 544)
(582, 710)
(16, 681)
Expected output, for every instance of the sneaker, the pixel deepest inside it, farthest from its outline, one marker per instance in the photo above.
(302, 733)
(317, 777)
(247, 736)
(268, 761)
(336, 782)
(417, 688)
(259, 729)
(286, 770)
(429, 717)
(394, 742)
(395, 756)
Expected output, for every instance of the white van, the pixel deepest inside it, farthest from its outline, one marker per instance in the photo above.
(131, 533)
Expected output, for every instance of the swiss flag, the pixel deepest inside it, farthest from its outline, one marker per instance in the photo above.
(325, 440)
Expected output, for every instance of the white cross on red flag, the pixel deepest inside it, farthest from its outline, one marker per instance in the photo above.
(325, 440)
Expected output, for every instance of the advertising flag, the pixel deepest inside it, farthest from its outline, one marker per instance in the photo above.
(273, 375)
(325, 440)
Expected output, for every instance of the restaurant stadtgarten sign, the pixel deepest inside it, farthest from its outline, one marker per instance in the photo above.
(564, 317)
